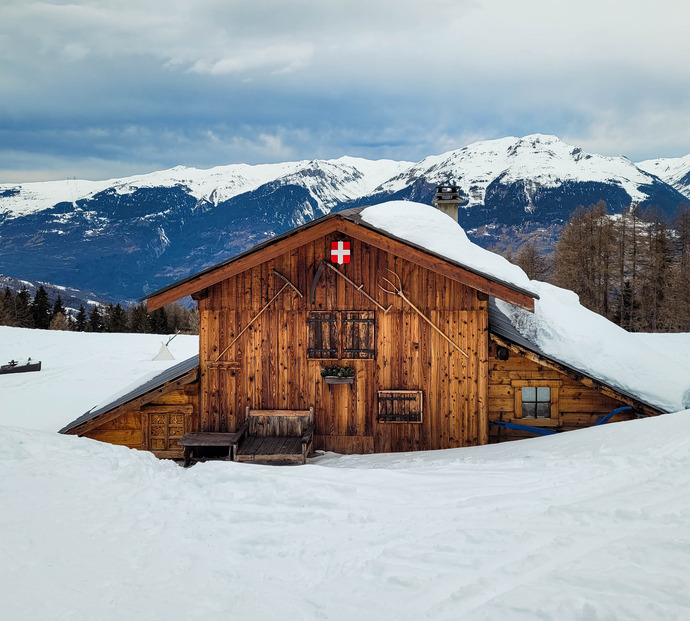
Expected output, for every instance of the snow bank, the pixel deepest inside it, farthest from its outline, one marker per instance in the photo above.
(584, 525)
(78, 370)
(427, 226)
(560, 326)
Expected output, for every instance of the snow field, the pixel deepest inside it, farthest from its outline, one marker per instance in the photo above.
(78, 371)
(587, 525)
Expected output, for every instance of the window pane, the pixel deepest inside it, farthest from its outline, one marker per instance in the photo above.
(543, 410)
(529, 409)
(529, 394)
(543, 393)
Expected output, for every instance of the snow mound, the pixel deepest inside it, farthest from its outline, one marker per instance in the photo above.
(560, 326)
(584, 525)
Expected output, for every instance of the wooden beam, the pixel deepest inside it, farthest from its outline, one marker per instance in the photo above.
(576, 375)
(134, 404)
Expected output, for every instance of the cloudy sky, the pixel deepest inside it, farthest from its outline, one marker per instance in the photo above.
(104, 88)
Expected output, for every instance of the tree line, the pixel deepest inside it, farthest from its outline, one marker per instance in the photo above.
(21, 310)
(633, 268)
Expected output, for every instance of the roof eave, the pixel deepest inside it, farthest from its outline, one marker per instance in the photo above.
(348, 219)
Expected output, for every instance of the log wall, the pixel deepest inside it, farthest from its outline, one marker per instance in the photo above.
(155, 426)
(577, 405)
(268, 367)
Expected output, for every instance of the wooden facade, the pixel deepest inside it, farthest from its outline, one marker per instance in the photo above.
(428, 371)
(573, 404)
(274, 366)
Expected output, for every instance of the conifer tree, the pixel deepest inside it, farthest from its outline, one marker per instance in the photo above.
(23, 316)
(533, 264)
(116, 318)
(6, 307)
(96, 323)
(80, 321)
(159, 321)
(139, 319)
(58, 307)
(40, 309)
(59, 322)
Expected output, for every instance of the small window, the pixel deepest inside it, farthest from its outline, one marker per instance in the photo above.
(322, 337)
(399, 406)
(536, 402)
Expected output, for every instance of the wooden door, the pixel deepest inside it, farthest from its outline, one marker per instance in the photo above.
(218, 409)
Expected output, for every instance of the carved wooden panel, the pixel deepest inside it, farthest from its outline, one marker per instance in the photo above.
(165, 429)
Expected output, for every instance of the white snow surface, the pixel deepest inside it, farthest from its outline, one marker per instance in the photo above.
(588, 525)
(78, 371)
(333, 181)
(540, 160)
(560, 326)
(673, 170)
(673, 345)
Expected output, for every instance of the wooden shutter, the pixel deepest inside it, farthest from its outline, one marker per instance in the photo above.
(322, 335)
(359, 336)
(400, 406)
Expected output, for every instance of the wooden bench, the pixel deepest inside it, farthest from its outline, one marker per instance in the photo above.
(201, 439)
(277, 436)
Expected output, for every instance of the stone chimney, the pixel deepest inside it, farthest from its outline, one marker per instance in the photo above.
(447, 199)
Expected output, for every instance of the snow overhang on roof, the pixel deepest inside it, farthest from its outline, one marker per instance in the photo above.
(564, 331)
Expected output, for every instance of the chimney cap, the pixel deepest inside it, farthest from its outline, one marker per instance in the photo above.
(448, 193)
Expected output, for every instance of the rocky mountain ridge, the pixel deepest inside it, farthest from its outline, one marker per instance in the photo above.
(126, 237)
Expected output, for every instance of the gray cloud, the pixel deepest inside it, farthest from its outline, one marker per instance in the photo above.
(102, 86)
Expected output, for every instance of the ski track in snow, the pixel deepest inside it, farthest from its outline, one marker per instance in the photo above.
(587, 525)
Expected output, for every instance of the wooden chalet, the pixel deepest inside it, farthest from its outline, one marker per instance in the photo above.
(433, 362)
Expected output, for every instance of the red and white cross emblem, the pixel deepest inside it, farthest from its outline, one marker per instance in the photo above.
(340, 252)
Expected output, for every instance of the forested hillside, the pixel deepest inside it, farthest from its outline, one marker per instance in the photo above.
(633, 268)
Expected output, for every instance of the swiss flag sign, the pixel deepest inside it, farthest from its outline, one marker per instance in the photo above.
(340, 252)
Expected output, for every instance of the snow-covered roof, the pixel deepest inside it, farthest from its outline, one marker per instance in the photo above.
(136, 389)
(433, 230)
(560, 326)
(565, 331)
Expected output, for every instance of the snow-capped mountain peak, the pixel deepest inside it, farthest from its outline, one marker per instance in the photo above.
(540, 160)
(675, 171)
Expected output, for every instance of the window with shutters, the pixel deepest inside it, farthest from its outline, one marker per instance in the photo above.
(165, 429)
(399, 406)
(358, 335)
(346, 335)
(322, 335)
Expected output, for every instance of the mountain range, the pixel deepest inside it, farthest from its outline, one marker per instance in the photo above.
(123, 238)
